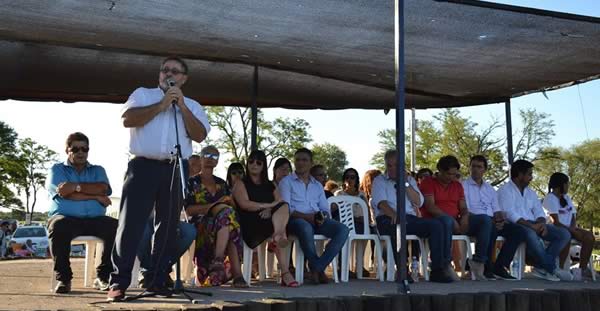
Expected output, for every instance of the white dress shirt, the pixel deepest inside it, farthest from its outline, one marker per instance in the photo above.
(156, 139)
(517, 205)
(565, 213)
(481, 200)
(384, 189)
(303, 198)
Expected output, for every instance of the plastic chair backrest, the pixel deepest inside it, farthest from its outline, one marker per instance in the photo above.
(345, 203)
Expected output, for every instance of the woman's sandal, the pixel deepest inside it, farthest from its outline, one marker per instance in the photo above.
(216, 272)
(239, 282)
(293, 283)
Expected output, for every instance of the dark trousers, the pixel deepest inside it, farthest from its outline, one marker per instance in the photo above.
(481, 227)
(147, 186)
(63, 229)
(513, 235)
(434, 229)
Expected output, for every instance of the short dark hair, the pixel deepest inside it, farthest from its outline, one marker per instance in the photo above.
(479, 158)
(77, 136)
(177, 59)
(304, 150)
(314, 169)
(447, 162)
(520, 167)
(423, 171)
(194, 156)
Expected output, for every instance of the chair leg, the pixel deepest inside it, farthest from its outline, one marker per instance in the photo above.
(391, 264)
(345, 261)
(90, 254)
(360, 258)
(379, 260)
(134, 274)
(247, 264)
(424, 258)
(262, 272)
(299, 262)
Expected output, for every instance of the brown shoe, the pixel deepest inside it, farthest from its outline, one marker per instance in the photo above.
(323, 279)
(313, 278)
(115, 294)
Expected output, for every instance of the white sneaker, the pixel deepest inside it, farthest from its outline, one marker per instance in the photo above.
(477, 270)
(543, 274)
(563, 275)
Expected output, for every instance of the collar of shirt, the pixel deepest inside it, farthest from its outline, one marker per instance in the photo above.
(67, 163)
(310, 179)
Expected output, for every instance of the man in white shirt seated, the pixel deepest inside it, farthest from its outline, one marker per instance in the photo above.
(523, 207)
(482, 202)
(384, 204)
(310, 215)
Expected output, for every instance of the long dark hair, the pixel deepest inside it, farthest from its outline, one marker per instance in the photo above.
(559, 180)
(260, 156)
(357, 181)
(235, 166)
(279, 163)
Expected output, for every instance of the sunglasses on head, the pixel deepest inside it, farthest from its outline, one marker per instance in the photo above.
(258, 162)
(77, 149)
(213, 156)
(174, 71)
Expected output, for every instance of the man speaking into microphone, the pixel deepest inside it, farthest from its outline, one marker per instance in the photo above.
(149, 113)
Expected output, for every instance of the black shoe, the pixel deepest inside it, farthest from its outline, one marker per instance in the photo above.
(503, 274)
(323, 279)
(440, 276)
(101, 284)
(157, 291)
(489, 275)
(312, 278)
(169, 283)
(62, 287)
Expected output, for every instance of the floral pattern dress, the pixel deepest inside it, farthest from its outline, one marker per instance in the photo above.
(208, 226)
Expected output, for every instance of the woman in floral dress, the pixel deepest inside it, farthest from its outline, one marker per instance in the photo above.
(218, 251)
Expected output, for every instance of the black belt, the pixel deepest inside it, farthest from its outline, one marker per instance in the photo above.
(163, 161)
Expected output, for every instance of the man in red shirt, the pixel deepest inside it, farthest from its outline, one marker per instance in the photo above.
(445, 200)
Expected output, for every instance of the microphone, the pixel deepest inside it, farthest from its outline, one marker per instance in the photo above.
(171, 83)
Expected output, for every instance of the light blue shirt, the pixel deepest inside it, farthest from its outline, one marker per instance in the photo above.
(384, 189)
(155, 140)
(65, 172)
(481, 200)
(304, 198)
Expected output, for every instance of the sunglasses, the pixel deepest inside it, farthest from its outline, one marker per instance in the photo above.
(213, 156)
(258, 162)
(237, 173)
(77, 149)
(174, 71)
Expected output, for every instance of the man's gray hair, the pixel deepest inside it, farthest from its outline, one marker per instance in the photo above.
(390, 154)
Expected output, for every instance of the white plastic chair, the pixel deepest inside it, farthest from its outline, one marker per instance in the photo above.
(590, 263)
(519, 255)
(391, 265)
(92, 257)
(262, 265)
(345, 204)
(469, 252)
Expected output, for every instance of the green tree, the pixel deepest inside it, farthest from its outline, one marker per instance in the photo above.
(34, 160)
(451, 133)
(277, 138)
(9, 167)
(332, 157)
(582, 164)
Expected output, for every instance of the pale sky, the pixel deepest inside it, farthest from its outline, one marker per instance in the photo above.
(354, 131)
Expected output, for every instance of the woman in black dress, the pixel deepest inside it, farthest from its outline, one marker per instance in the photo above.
(261, 211)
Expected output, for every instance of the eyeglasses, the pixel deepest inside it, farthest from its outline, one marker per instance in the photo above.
(174, 71)
(353, 177)
(77, 149)
(258, 162)
(237, 173)
(213, 156)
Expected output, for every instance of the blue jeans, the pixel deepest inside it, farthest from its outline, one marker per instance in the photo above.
(513, 236)
(545, 258)
(434, 229)
(304, 232)
(480, 226)
(186, 234)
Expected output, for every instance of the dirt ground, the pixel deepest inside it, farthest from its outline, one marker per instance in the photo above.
(25, 285)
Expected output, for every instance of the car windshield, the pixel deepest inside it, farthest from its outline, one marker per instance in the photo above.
(29, 232)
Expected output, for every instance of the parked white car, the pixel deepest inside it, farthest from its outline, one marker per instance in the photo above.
(38, 236)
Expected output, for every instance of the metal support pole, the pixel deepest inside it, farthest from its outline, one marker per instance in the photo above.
(401, 168)
(413, 141)
(509, 137)
(254, 124)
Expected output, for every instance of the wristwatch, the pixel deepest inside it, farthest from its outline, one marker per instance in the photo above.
(78, 188)
(407, 184)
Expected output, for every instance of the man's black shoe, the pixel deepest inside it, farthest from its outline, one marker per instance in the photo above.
(160, 292)
(489, 275)
(62, 287)
(439, 276)
(503, 274)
